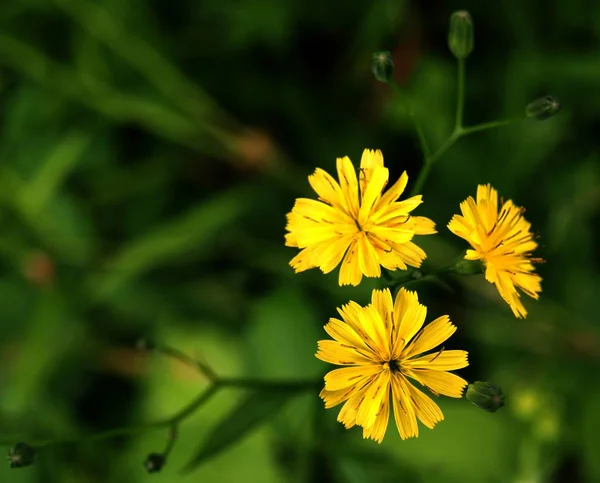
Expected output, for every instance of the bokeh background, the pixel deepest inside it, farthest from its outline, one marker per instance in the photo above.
(149, 152)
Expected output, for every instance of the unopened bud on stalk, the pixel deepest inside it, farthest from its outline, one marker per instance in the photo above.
(21, 455)
(486, 396)
(155, 462)
(542, 108)
(460, 35)
(382, 66)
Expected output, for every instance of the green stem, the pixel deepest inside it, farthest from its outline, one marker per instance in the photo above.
(174, 421)
(411, 112)
(429, 161)
(489, 125)
(204, 369)
(460, 104)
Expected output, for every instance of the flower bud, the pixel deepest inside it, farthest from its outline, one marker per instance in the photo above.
(155, 462)
(21, 455)
(542, 108)
(486, 396)
(382, 66)
(468, 267)
(460, 35)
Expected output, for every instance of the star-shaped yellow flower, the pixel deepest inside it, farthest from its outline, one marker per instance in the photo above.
(381, 347)
(503, 241)
(356, 223)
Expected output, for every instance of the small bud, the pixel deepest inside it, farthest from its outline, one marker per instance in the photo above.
(460, 34)
(382, 66)
(21, 455)
(468, 267)
(486, 396)
(542, 108)
(155, 462)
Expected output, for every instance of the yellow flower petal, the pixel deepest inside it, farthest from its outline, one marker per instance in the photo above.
(374, 396)
(368, 260)
(409, 315)
(440, 382)
(382, 302)
(372, 193)
(349, 376)
(440, 361)
(347, 335)
(349, 184)
(404, 412)
(328, 189)
(350, 273)
(426, 410)
(431, 336)
(392, 194)
(378, 429)
(336, 353)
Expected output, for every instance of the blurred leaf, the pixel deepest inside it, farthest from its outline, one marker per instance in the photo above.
(194, 231)
(253, 410)
(52, 171)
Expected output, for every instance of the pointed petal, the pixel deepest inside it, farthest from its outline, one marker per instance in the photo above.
(440, 361)
(328, 189)
(368, 260)
(336, 353)
(426, 410)
(374, 396)
(349, 376)
(439, 382)
(378, 429)
(350, 273)
(349, 184)
(409, 315)
(430, 337)
(404, 412)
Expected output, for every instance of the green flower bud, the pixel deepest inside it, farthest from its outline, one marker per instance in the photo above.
(468, 267)
(382, 66)
(460, 35)
(486, 396)
(21, 455)
(155, 462)
(542, 108)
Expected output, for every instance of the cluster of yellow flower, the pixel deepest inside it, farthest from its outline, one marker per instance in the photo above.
(381, 345)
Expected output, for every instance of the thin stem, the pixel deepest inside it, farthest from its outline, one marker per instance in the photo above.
(460, 104)
(424, 173)
(174, 421)
(204, 369)
(194, 405)
(489, 125)
(411, 112)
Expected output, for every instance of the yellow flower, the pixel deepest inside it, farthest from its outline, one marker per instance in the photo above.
(354, 218)
(382, 345)
(503, 242)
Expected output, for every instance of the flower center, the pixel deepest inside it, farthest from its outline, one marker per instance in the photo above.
(394, 365)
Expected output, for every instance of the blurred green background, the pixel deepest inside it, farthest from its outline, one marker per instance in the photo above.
(149, 152)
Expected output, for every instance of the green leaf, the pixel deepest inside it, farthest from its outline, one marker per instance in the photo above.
(252, 411)
(194, 232)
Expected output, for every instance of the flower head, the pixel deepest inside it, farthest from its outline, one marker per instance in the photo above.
(355, 221)
(381, 346)
(503, 242)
